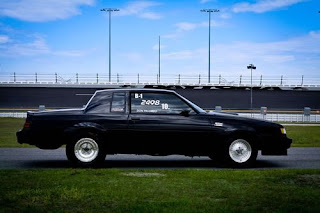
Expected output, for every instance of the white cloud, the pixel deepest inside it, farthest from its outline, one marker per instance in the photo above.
(289, 57)
(225, 16)
(185, 26)
(182, 27)
(205, 1)
(180, 55)
(40, 10)
(69, 53)
(35, 46)
(150, 15)
(4, 39)
(140, 9)
(263, 5)
(132, 56)
(279, 58)
(275, 52)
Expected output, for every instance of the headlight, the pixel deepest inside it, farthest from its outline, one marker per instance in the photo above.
(283, 131)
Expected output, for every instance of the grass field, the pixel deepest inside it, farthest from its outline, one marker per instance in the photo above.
(306, 136)
(114, 190)
(8, 129)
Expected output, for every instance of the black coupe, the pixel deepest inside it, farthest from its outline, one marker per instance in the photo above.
(153, 122)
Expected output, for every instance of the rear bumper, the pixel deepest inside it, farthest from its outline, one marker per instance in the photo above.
(24, 136)
(42, 141)
(276, 146)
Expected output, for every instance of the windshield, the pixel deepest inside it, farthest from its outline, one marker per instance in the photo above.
(197, 108)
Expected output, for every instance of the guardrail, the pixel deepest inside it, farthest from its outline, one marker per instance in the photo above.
(298, 118)
(178, 79)
(313, 118)
(13, 114)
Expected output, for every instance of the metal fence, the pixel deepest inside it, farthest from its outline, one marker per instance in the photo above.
(178, 79)
(299, 118)
(13, 114)
(313, 118)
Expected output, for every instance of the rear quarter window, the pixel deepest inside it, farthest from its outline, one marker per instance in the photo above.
(118, 102)
(100, 103)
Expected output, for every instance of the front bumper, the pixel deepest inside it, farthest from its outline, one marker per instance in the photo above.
(276, 146)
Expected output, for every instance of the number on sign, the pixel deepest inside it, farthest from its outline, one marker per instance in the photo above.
(137, 95)
(150, 102)
(165, 106)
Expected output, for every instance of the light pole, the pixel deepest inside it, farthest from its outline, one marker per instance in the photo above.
(209, 11)
(109, 10)
(251, 67)
(159, 61)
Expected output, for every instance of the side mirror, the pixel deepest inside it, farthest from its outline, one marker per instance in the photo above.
(185, 113)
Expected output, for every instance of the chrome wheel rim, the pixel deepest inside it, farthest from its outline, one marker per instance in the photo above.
(240, 151)
(86, 149)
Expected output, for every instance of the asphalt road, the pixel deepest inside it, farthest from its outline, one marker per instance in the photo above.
(32, 158)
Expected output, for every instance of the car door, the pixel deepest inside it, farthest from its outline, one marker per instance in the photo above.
(163, 123)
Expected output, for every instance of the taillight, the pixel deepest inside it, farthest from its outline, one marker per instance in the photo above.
(27, 124)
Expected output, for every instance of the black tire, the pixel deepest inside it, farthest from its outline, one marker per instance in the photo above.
(238, 152)
(86, 150)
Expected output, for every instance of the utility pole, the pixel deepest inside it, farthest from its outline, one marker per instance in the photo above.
(109, 10)
(209, 11)
(251, 67)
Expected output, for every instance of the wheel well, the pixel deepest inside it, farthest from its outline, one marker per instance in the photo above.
(250, 136)
(83, 132)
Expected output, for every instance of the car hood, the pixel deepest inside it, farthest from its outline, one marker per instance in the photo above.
(232, 117)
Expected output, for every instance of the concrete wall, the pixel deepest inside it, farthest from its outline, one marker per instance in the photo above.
(14, 97)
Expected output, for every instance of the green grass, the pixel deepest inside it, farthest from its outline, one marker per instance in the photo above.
(303, 136)
(8, 129)
(120, 190)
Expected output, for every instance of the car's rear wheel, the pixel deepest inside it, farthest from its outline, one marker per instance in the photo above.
(86, 151)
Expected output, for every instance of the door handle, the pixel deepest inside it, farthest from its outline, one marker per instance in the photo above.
(135, 119)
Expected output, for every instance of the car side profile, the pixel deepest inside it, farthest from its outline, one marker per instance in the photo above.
(152, 122)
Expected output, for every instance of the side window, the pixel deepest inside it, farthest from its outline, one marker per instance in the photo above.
(158, 103)
(118, 102)
(100, 103)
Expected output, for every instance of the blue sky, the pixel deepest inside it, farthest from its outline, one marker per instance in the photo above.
(281, 37)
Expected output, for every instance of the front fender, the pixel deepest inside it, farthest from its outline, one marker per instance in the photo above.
(238, 128)
(231, 131)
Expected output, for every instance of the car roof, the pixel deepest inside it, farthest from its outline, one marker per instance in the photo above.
(135, 90)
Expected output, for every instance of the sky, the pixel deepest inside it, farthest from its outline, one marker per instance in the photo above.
(280, 37)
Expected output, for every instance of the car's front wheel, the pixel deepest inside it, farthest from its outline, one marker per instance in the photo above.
(241, 152)
(237, 152)
(86, 151)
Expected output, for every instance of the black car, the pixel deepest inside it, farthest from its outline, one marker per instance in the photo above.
(153, 122)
